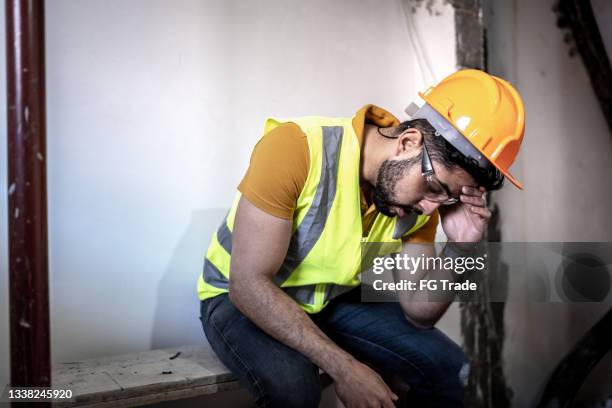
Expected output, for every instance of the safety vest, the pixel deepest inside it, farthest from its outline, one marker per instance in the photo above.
(325, 250)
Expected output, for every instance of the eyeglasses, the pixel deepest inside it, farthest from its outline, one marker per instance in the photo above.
(436, 191)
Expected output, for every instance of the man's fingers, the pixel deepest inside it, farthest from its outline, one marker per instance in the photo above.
(482, 211)
(474, 200)
(388, 403)
(392, 396)
(473, 191)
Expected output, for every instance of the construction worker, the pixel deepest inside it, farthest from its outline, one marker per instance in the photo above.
(280, 287)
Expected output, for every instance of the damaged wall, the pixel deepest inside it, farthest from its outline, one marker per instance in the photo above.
(566, 165)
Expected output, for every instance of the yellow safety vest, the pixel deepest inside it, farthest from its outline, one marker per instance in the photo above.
(325, 251)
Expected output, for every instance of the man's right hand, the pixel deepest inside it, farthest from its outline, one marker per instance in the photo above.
(359, 386)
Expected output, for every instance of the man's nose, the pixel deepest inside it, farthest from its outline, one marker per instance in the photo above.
(428, 206)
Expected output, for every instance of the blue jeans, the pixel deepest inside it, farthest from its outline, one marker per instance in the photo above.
(276, 375)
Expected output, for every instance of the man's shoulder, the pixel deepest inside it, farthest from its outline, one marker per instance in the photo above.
(278, 170)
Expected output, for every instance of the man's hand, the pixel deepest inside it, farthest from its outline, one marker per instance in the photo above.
(362, 387)
(466, 221)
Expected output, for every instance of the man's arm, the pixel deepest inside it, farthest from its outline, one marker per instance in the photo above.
(464, 224)
(417, 308)
(259, 246)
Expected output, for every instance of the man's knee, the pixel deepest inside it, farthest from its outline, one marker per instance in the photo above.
(443, 368)
(452, 369)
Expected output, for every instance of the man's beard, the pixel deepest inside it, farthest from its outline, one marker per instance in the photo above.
(390, 173)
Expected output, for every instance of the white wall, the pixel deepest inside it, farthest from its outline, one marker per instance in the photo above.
(153, 108)
(565, 166)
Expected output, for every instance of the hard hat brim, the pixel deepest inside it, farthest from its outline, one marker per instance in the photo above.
(511, 178)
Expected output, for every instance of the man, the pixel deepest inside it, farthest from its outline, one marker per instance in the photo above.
(316, 190)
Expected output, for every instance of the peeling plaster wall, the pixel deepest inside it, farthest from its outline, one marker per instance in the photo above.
(566, 166)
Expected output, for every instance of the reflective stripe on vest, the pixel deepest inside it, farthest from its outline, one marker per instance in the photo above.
(308, 232)
(302, 294)
(224, 236)
(214, 277)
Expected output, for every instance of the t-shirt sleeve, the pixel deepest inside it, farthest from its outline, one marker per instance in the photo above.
(425, 234)
(277, 171)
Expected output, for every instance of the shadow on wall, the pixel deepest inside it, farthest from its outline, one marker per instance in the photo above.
(176, 319)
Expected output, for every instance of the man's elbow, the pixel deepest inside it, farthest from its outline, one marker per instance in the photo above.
(235, 291)
(242, 288)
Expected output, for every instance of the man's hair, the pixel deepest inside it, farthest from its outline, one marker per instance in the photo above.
(445, 154)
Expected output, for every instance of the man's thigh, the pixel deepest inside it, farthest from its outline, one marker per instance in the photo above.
(378, 333)
(275, 374)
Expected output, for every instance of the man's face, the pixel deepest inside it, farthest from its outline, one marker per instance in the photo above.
(400, 187)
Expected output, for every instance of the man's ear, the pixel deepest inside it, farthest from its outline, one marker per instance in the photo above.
(409, 140)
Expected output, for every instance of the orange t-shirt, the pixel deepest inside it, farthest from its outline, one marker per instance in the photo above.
(279, 167)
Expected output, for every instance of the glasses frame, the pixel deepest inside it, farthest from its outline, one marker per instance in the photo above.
(427, 171)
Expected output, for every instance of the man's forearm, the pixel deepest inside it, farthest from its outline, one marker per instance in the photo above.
(423, 307)
(278, 315)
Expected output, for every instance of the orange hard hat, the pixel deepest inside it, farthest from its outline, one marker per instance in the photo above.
(487, 112)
